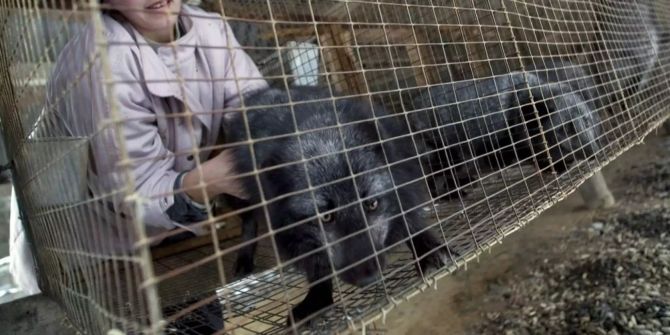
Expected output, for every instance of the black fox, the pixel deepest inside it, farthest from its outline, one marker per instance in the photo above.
(330, 229)
(493, 122)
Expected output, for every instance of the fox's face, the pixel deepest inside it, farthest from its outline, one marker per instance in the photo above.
(352, 205)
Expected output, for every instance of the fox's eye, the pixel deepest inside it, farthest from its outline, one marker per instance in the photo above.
(371, 204)
(325, 218)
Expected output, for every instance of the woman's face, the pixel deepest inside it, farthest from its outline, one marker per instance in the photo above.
(154, 19)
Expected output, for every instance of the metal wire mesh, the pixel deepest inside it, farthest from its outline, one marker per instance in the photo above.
(505, 107)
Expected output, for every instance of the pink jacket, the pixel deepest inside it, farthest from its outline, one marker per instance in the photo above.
(152, 87)
(153, 90)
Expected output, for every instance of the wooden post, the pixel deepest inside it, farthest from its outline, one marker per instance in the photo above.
(417, 57)
(339, 57)
(232, 230)
(595, 192)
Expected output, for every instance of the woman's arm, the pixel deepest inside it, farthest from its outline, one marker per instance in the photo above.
(212, 178)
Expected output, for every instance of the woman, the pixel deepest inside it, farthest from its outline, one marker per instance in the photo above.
(148, 117)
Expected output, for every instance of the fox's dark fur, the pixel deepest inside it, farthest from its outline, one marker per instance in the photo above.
(357, 229)
(491, 123)
(633, 38)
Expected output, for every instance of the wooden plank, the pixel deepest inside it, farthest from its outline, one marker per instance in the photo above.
(337, 11)
(232, 229)
(294, 11)
(380, 36)
(339, 57)
(364, 36)
(418, 66)
(332, 60)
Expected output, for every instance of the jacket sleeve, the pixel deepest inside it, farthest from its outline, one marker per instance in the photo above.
(150, 163)
(242, 75)
(86, 110)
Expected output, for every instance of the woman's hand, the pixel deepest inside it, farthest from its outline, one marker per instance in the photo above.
(216, 174)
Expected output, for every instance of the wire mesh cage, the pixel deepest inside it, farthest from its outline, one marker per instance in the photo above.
(278, 166)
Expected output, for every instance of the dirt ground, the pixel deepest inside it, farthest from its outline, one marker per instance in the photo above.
(527, 280)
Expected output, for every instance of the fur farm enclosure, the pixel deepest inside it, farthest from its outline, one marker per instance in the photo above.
(385, 144)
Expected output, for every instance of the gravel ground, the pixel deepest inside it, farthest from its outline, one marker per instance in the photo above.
(618, 282)
(570, 271)
(653, 178)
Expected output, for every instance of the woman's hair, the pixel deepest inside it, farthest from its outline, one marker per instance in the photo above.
(113, 13)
